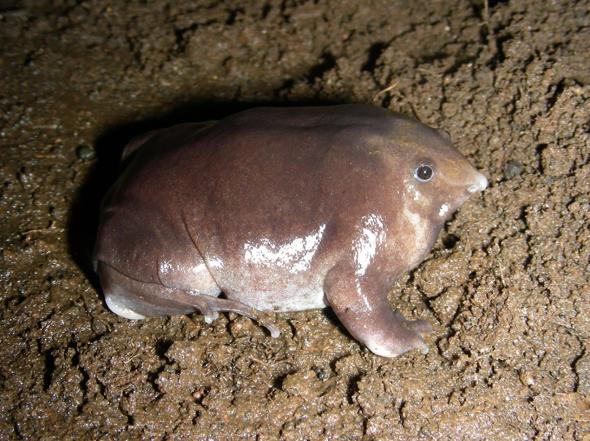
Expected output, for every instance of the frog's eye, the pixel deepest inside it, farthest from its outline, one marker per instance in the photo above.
(424, 172)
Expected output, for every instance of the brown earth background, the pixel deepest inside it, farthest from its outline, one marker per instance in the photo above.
(506, 285)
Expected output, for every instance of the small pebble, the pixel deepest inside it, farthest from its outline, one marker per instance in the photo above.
(512, 169)
(84, 152)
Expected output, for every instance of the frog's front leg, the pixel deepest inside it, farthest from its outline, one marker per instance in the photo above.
(360, 303)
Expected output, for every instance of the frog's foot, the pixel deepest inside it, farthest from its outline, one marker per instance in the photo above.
(210, 307)
(361, 305)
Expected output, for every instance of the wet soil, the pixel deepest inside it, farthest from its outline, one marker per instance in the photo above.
(506, 285)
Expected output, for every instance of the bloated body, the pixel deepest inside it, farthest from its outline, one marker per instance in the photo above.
(281, 209)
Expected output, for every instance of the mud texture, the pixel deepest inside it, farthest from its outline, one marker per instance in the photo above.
(507, 284)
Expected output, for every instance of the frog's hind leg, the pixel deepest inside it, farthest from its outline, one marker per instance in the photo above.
(136, 299)
(211, 306)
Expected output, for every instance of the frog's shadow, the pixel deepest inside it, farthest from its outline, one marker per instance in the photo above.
(84, 212)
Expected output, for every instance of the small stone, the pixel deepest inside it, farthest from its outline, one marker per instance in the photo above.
(85, 152)
(512, 169)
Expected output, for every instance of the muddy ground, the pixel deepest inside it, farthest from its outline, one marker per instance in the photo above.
(506, 285)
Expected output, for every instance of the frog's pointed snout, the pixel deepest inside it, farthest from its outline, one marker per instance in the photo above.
(481, 183)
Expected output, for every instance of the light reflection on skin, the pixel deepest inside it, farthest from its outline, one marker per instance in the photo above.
(417, 194)
(418, 224)
(215, 263)
(444, 209)
(165, 267)
(295, 255)
(364, 249)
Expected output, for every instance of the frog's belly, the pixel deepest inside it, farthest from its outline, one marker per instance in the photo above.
(274, 274)
(277, 293)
